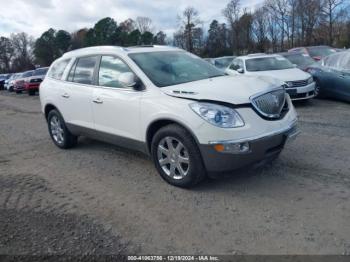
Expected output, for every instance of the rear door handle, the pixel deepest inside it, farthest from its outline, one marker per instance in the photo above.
(65, 95)
(97, 101)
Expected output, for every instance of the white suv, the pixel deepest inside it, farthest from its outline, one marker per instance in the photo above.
(191, 118)
(299, 84)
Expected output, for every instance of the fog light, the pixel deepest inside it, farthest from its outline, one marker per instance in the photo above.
(233, 148)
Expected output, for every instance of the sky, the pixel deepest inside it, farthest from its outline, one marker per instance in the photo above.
(36, 16)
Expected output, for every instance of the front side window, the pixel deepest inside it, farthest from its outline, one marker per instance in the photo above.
(83, 70)
(110, 70)
(167, 68)
(268, 64)
(58, 68)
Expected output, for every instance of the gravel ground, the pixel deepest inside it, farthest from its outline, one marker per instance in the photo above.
(101, 199)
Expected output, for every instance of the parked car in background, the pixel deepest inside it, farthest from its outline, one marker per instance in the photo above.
(332, 76)
(7, 81)
(316, 52)
(191, 118)
(19, 83)
(32, 83)
(299, 85)
(11, 82)
(3, 78)
(301, 60)
(222, 62)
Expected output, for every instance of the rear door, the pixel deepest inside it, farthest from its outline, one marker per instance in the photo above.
(116, 108)
(77, 92)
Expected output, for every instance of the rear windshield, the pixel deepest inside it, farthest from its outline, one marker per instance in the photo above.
(27, 74)
(40, 72)
(300, 59)
(321, 51)
(168, 68)
(268, 64)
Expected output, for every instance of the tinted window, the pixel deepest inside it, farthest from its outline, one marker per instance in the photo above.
(40, 72)
(268, 63)
(28, 74)
(58, 68)
(110, 69)
(84, 70)
(300, 59)
(321, 51)
(174, 67)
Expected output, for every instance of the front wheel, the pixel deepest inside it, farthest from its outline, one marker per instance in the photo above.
(59, 133)
(177, 157)
(317, 91)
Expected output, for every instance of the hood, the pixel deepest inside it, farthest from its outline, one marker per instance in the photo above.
(293, 74)
(230, 89)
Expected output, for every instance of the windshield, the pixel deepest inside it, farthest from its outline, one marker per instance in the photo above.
(268, 64)
(40, 72)
(174, 67)
(321, 51)
(223, 62)
(300, 59)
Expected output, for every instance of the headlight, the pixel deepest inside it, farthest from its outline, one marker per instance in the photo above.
(217, 115)
(310, 80)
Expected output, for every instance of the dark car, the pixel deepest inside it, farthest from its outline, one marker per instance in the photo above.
(3, 78)
(332, 76)
(301, 60)
(19, 83)
(316, 52)
(32, 83)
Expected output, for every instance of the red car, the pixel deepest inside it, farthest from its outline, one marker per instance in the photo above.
(316, 52)
(32, 83)
(19, 83)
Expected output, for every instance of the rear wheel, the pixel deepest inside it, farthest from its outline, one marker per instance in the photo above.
(177, 157)
(59, 133)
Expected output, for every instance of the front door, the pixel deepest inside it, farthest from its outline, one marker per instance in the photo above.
(116, 108)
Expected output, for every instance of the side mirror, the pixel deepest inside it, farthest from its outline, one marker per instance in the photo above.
(130, 80)
(240, 70)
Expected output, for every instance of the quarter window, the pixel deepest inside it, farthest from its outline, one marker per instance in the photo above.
(110, 70)
(58, 68)
(83, 70)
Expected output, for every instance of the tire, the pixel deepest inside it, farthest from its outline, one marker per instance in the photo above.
(318, 93)
(31, 92)
(165, 144)
(64, 139)
(11, 89)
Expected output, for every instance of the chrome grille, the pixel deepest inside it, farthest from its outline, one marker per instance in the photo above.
(300, 83)
(271, 104)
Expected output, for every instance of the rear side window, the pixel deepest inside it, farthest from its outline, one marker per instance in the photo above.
(83, 70)
(58, 68)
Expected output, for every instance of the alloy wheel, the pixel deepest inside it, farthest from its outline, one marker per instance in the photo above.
(173, 158)
(57, 130)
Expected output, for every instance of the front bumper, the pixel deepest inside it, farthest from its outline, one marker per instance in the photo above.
(261, 148)
(302, 92)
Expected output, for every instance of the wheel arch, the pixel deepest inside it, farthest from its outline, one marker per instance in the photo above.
(155, 125)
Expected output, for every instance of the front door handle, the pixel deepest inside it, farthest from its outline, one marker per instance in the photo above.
(65, 95)
(97, 101)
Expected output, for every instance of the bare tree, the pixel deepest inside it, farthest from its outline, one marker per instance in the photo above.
(232, 15)
(260, 28)
(189, 23)
(144, 24)
(331, 12)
